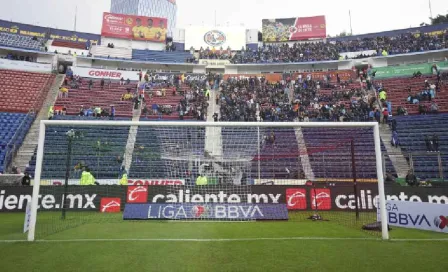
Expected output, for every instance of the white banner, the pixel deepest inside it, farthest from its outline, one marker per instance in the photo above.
(101, 73)
(26, 223)
(25, 66)
(216, 37)
(214, 63)
(280, 181)
(131, 181)
(417, 215)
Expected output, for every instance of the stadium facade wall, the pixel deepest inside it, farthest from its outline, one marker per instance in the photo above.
(133, 44)
(179, 46)
(26, 66)
(84, 62)
(251, 36)
(45, 59)
(64, 50)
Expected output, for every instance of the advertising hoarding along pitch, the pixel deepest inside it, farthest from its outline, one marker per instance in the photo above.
(337, 198)
(206, 211)
(294, 29)
(134, 27)
(417, 215)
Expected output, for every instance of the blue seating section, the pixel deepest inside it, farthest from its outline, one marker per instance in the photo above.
(19, 41)
(14, 127)
(146, 159)
(160, 56)
(412, 131)
(98, 148)
(330, 152)
(277, 158)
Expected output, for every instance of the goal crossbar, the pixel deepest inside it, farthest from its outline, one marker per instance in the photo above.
(77, 123)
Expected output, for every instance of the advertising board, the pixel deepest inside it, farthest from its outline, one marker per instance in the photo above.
(417, 215)
(294, 29)
(102, 73)
(337, 198)
(141, 28)
(206, 211)
(215, 37)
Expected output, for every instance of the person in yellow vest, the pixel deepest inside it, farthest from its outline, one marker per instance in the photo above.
(207, 94)
(383, 95)
(385, 53)
(201, 180)
(124, 177)
(50, 113)
(87, 178)
(182, 78)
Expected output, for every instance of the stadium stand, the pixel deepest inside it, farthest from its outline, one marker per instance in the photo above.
(83, 97)
(20, 41)
(14, 127)
(334, 161)
(325, 51)
(167, 105)
(399, 89)
(279, 158)
(413, 130)
(95, 144)
(146, 159)
(160, 56)
(23, 91)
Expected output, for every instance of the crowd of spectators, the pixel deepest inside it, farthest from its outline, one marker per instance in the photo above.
(331, 50)
(295, 100)
(215, 54)
(194, 93)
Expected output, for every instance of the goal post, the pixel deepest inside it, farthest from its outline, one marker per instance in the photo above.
(183, 157)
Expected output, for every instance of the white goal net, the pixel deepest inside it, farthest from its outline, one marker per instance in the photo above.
(90, 172)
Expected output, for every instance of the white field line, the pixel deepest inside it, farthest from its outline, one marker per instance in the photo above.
(227, 239)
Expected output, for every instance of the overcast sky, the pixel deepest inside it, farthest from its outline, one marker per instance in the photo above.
(367, 16)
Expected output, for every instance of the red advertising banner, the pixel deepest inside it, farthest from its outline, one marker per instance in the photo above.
(134, 27)
(294, 29)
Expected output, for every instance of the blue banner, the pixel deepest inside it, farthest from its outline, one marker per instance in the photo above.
(48, 32)
(205, 211)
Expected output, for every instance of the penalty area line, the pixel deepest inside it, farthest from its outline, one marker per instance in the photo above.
(228, 239)
(196, 239)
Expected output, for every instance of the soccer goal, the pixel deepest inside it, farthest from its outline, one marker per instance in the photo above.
(101, 173)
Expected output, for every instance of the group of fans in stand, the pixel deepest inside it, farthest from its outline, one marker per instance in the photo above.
(331, 49)
(300, 99)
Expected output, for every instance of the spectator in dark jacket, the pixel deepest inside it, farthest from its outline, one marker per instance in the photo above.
(411, 179)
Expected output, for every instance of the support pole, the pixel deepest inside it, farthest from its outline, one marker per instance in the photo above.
(355, 182)
(67, 174)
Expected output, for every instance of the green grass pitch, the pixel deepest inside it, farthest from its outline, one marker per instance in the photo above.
(295, 245)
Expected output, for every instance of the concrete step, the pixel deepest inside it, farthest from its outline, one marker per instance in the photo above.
(29, 145)
(395, 154)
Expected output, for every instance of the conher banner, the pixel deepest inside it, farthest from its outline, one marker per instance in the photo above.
(294, 29)
(134, 27)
